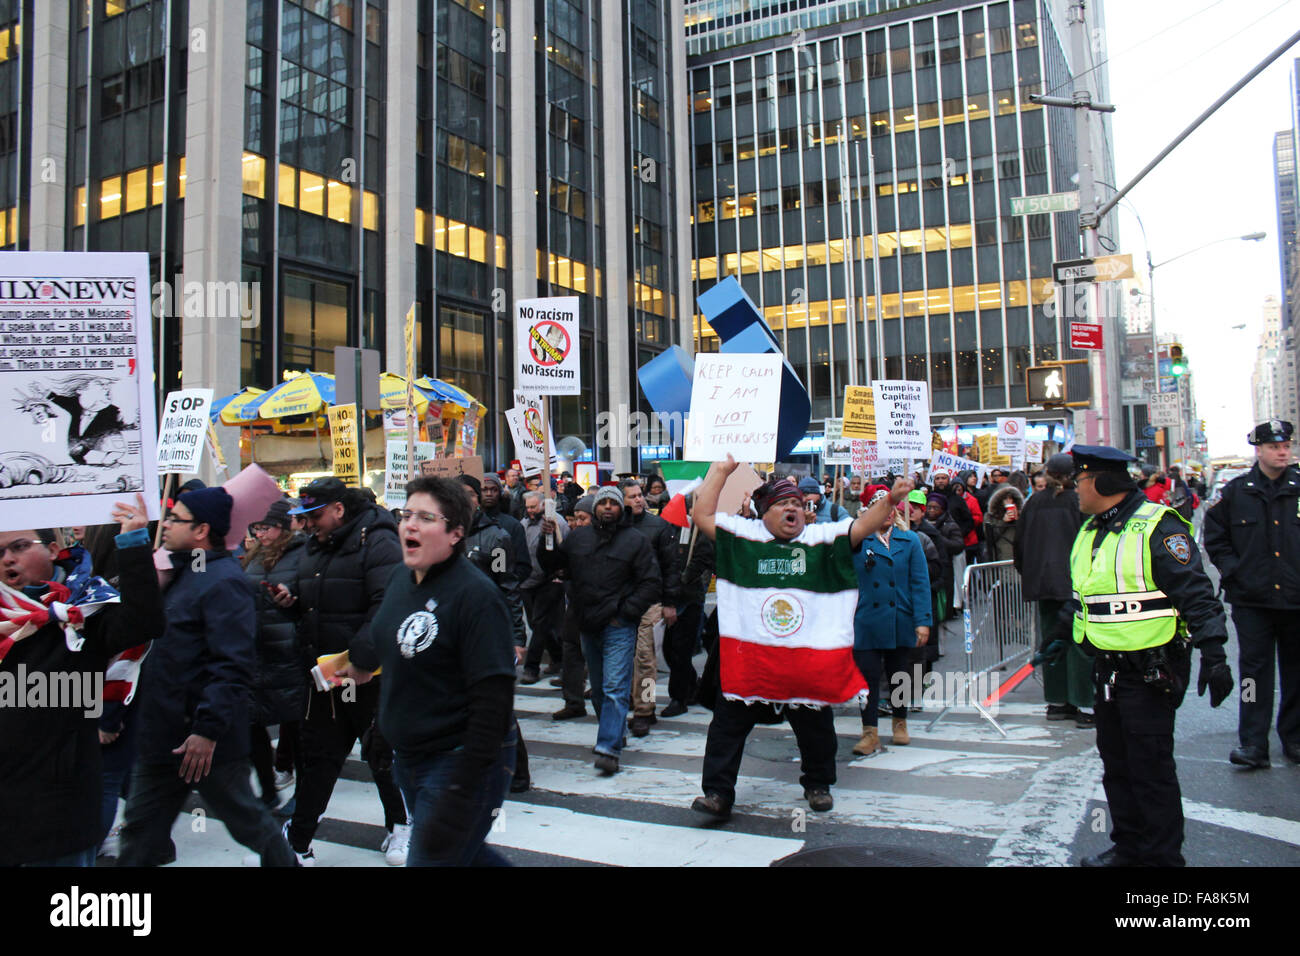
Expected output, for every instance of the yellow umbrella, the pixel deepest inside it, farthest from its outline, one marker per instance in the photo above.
(301, 395)
(392, 394)
(227, 410)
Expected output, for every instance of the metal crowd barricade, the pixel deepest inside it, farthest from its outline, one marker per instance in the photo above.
(1000, 629)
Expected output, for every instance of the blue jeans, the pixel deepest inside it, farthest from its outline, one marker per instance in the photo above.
(422, 781)
(610, 655)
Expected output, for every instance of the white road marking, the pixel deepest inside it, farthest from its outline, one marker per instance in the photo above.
(1043, 823)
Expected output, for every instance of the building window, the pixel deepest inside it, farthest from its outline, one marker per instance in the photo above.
(315, 322)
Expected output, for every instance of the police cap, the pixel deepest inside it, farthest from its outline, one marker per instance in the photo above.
(1090, 459)
(1272, 430)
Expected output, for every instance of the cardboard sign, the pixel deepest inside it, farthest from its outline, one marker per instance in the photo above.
(396, 471)
(836, 449)
(343, 437)
(76, 362)
(735, 404)
(1011, 437)
(183, 429)
(546, 346)
(902, 418)
(859, 413)
(453, 467)
(741, 482)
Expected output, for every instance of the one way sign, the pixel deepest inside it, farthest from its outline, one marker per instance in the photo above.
(1099, 269)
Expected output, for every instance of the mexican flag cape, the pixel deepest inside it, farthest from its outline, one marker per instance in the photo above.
(785, 614)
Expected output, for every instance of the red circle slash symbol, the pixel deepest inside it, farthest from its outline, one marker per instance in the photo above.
(548, 343)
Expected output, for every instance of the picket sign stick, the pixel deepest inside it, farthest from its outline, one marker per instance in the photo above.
(162, 509)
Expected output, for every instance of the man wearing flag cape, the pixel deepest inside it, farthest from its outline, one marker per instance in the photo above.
(787, 592)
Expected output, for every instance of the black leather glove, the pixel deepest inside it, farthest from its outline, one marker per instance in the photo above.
(1214, 674)
(1050, 654)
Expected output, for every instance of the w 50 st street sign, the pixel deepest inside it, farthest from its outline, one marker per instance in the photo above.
(1047, 202)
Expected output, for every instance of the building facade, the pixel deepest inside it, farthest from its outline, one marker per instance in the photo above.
(347, 159)
(854, 166)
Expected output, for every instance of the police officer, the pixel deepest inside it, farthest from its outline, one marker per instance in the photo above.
(1138, 588)
(1253, 536)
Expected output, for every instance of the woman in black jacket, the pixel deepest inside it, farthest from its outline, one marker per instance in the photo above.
(279, 687)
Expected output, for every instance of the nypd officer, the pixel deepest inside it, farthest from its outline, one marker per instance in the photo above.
(1139, 588)
(1253, 536)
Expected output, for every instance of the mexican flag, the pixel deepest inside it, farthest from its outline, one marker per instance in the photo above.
(785, 614)
(683, 477)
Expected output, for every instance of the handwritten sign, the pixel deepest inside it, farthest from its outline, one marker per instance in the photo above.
(343, 438)
(859, 413)
(453, 467)
(863, 455)
(735, 403)
(181, 435)
(943, 463)
(546, 346)
(397, 473)
(902, 418)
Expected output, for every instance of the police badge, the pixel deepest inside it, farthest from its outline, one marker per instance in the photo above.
(1180, 547)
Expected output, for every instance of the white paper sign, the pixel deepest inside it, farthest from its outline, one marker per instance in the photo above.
(942, 462)
(397, 473)
(546, 346)
(526, 430)
(836, 449)
(1033, 452)
(183, 430)
(1011, 437)
(863, 456)
(735, 403)
(902, 418)
(76, 376)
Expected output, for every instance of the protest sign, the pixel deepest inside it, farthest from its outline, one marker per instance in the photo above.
(546, 346)
(735, 404)
(859, 413)
(836, 449)
(941, 462)
(1033, 452)
(902, 418)
(76, 364)
(453, 467)
(1011, 437)
(183, 430)
(396, 471)
(863, 456)
(343, 437)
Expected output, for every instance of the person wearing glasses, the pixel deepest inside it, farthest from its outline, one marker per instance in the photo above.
(50, 762)
(194, 718)
(443, 635)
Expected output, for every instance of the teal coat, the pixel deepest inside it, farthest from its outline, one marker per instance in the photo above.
(893, 592)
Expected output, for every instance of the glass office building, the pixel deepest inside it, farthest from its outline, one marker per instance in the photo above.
(854, 166)
(349, 158)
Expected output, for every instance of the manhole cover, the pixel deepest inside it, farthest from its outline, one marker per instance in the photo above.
(861, 855)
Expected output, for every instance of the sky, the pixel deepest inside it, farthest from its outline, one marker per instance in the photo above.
(1168, 61)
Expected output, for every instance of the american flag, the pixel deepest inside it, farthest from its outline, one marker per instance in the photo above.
(69, 602)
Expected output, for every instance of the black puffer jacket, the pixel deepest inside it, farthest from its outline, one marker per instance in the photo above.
(280, 680)
(663, 538)
(1253, 536)
(1049, 523)
(491, 549)
(341, 582)
(614, 574)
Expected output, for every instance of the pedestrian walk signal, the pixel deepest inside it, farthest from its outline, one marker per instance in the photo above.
(1045, 385)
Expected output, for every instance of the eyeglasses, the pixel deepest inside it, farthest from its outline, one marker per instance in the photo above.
(172, 519)
(420, 517)
(18, 547)
(256, 529)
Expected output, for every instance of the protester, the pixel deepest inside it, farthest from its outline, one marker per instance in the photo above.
(821, 509)
(929, 515)
(280, 684)
(1047, 527)
(662, 538)
(615, 580)
(763, 565)
(656, 493)
(962, 500)
(1181, 497)
(341, 578)
(50, 757)
(491, 500)
(1001, 522)
(573, 666)
(852, 503)
(892, 616)
(442, 637)
(695, 554)
(543, 595)
(194, 719)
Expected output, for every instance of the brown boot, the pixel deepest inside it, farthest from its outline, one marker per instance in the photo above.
(869, 744)
(901, 736)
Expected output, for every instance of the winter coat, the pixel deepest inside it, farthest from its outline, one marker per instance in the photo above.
(1253, 537)
(1000, 534)
(50, 761)
(522, 562)
(663, 539)
(280, 682)
(697, 569)
(893, 592)
(1049, 524)
(614, 572)
(341, 582)
(490, 549)
(198, 677)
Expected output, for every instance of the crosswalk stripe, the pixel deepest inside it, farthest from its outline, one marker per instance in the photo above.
(1256, 824)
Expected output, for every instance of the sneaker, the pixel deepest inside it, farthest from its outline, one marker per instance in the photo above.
(283, 779)
(304, 859)
(569, 712)
(395, 844)
(713, 804)
(675, 708)
(529, 677)
(819, 798)
(112, 845)
(607, 765)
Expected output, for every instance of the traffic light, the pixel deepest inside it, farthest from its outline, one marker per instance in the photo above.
(1045, 385)
(1177, 364)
